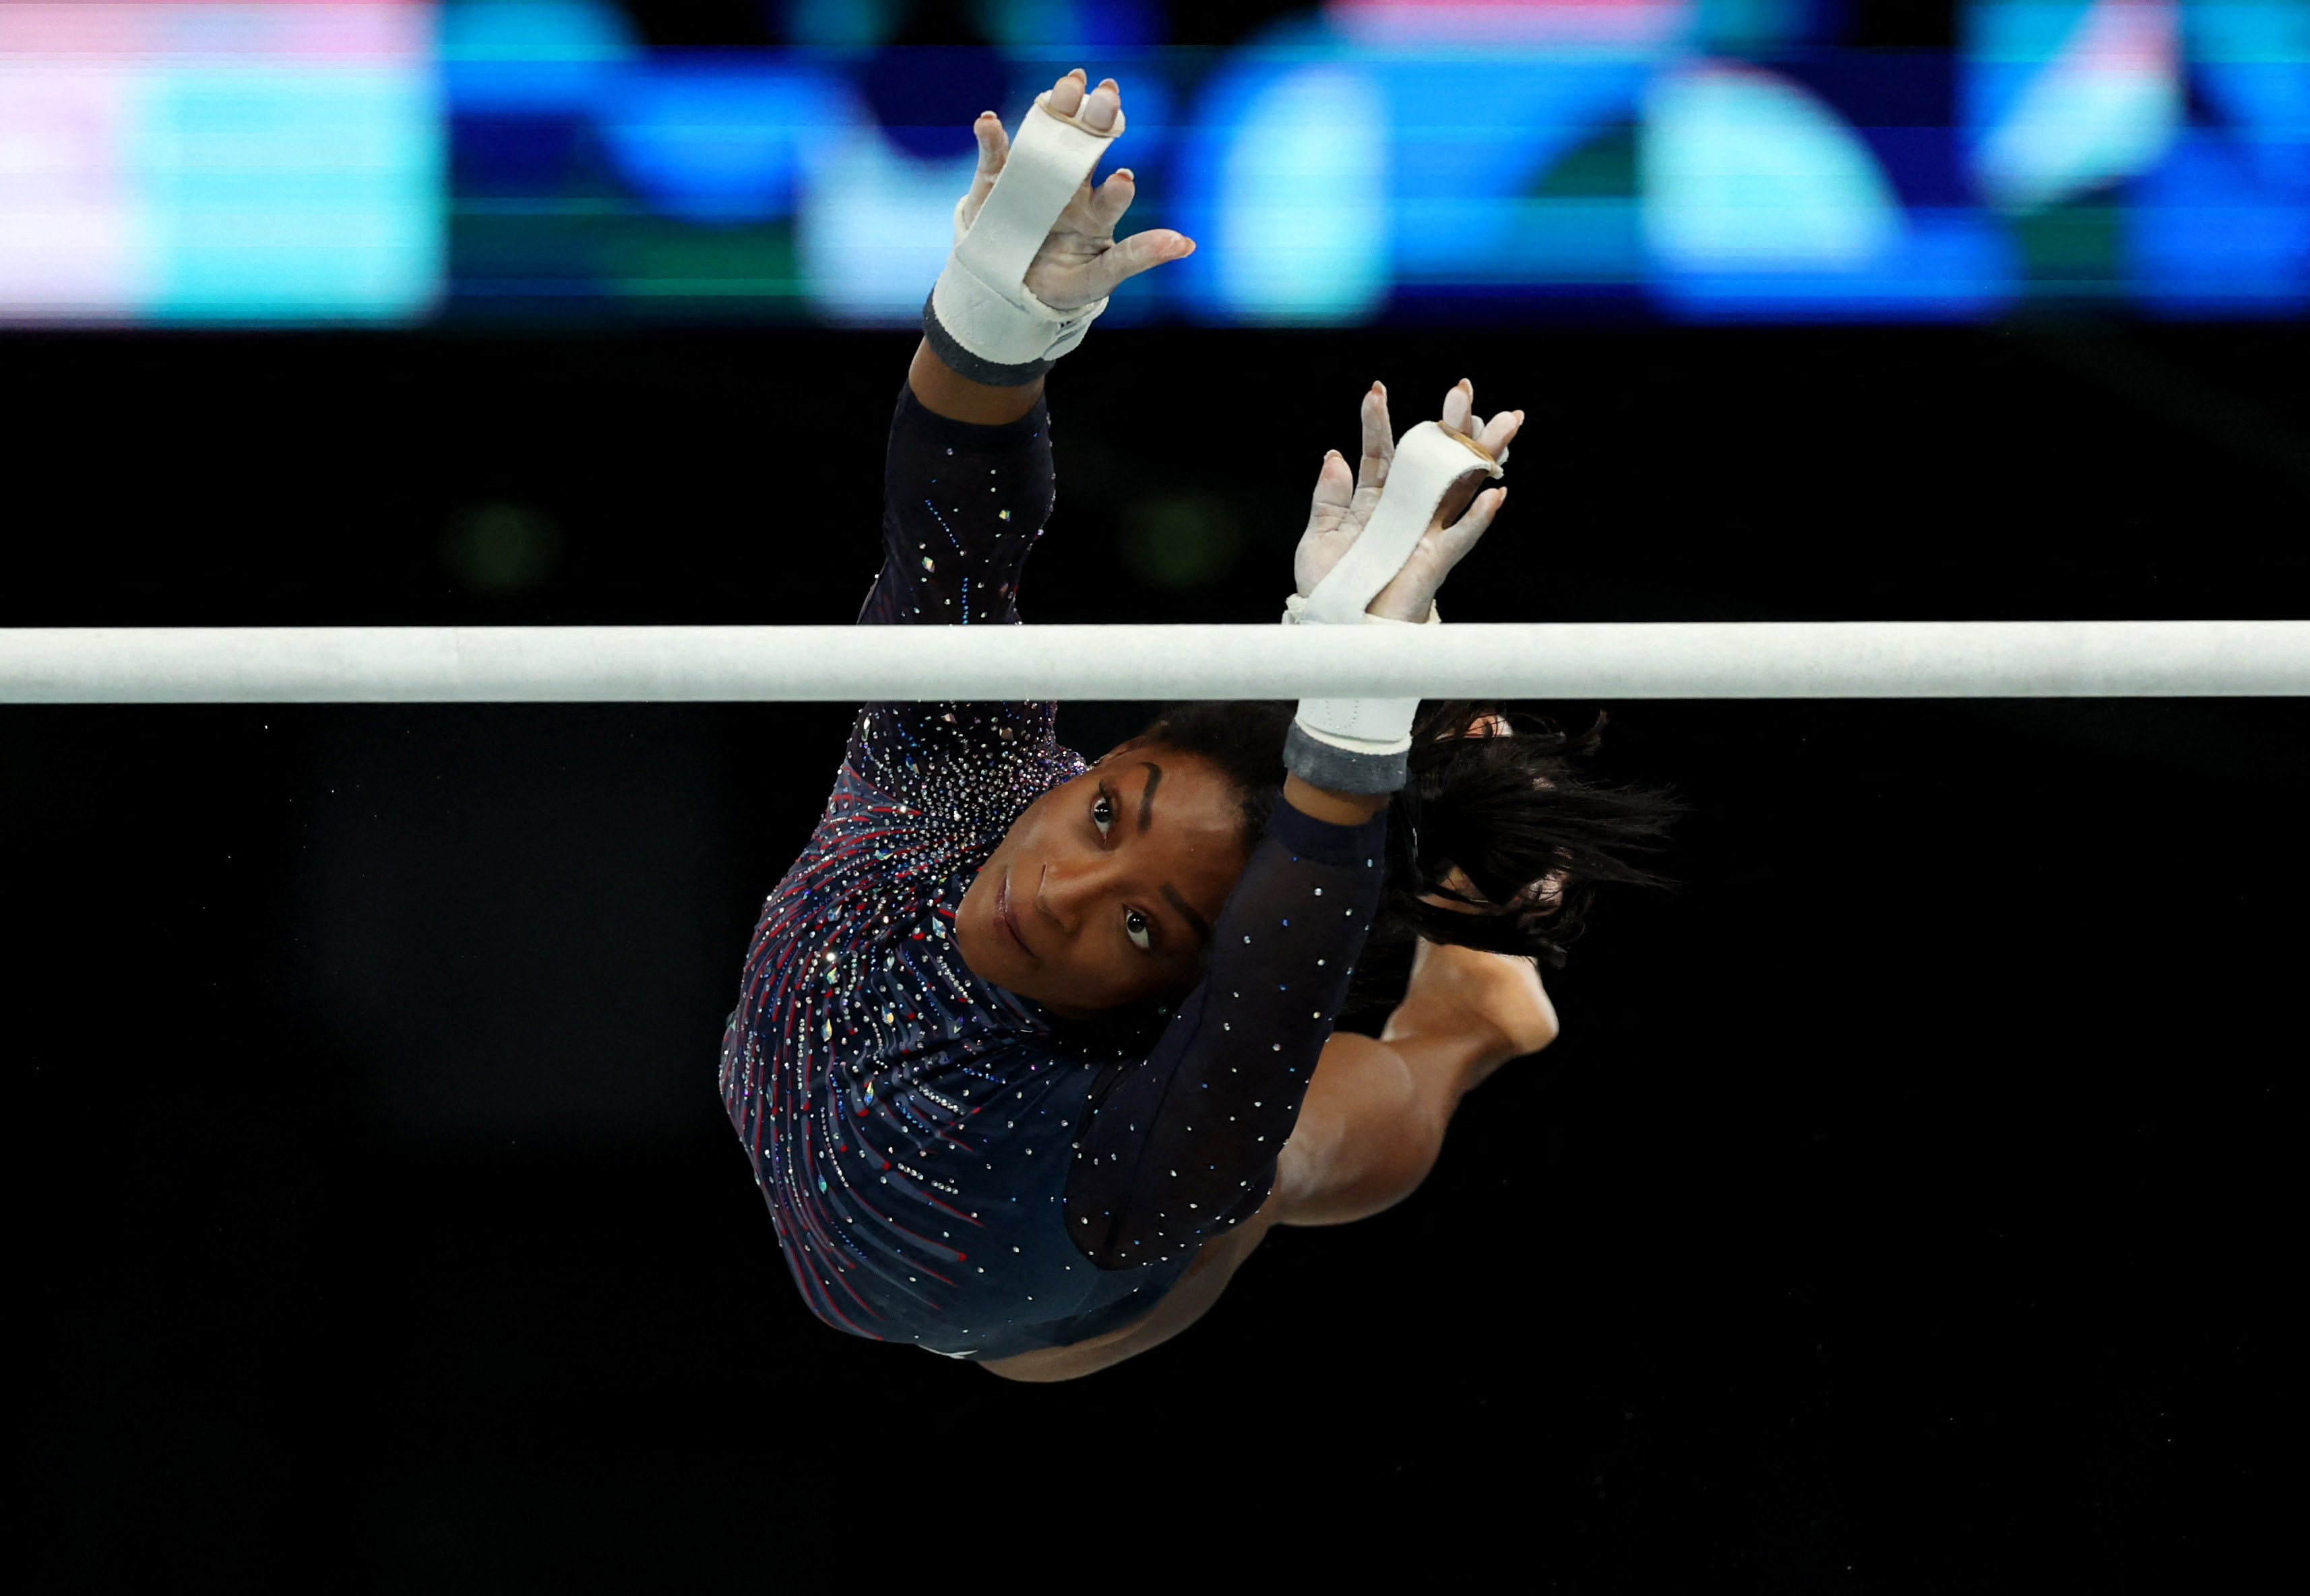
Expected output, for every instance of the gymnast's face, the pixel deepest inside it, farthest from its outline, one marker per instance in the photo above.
(1103, 893)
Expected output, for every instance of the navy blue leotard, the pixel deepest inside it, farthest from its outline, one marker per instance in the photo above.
(947, 1163)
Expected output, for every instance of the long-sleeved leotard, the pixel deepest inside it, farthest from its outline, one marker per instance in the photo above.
(947, 1163)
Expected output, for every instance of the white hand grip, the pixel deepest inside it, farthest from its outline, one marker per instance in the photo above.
(1048, 162)
(981, 318)
(1429, 459)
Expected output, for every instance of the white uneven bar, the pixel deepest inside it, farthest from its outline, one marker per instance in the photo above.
(2091, 659)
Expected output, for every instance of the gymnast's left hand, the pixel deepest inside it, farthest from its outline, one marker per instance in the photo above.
(1082, 261)
(1344, 502)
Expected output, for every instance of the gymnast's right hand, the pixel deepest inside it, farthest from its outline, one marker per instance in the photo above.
(1344, 502)
(1081, 262)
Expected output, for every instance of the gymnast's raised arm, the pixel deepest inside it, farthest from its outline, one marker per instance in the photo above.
(1077, 264)
(967, 476)
(1186, 1145)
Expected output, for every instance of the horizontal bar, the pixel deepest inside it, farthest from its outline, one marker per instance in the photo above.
(1961, 659)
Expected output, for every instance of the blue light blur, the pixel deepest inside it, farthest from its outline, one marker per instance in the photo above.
(716, 139)
(1361, 161)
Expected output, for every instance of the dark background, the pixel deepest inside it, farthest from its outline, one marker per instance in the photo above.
(1899, 1210)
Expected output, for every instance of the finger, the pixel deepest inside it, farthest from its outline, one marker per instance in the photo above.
(994, 144)
(1111, 199)
(993, 150)
(1462, 534)
(1098, 112)
(1335, 486)
(1067, 94)
(1500, 431)
(1457, 405)
(1125, 259)
(1378, 441)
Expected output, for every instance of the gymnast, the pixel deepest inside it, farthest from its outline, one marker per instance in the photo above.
(1030, 1054)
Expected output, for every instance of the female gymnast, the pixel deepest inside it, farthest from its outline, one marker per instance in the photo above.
(1030, 1054)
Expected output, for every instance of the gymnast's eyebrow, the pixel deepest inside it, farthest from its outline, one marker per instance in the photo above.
(1195, 922)
(1147, 798)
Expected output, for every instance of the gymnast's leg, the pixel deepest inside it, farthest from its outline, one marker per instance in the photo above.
(1378, 1107)
(1370, 1132)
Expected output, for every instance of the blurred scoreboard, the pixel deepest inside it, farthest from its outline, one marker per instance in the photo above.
(219, 163)
(1400, 160)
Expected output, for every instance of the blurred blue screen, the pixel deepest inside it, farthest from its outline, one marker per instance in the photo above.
(1357, 160)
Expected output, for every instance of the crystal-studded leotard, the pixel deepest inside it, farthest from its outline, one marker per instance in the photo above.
(946, 1163)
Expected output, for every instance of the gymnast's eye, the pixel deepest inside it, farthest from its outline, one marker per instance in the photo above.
(1134, 926)
(1102, 812)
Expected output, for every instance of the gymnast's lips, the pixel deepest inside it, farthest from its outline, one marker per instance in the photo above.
(1005, 919)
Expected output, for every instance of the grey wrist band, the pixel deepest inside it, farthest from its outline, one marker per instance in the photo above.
(1340, 770)
(974, 367)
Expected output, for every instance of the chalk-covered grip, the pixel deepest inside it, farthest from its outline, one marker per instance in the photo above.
(1429, 459)
(980, 318)
(1362, 745)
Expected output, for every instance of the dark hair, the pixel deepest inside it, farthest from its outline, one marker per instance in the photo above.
(1510, 815)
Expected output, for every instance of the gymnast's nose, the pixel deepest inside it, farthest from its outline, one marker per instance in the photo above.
(1068, 889)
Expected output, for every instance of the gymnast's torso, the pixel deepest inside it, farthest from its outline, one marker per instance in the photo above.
(947, 1163)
